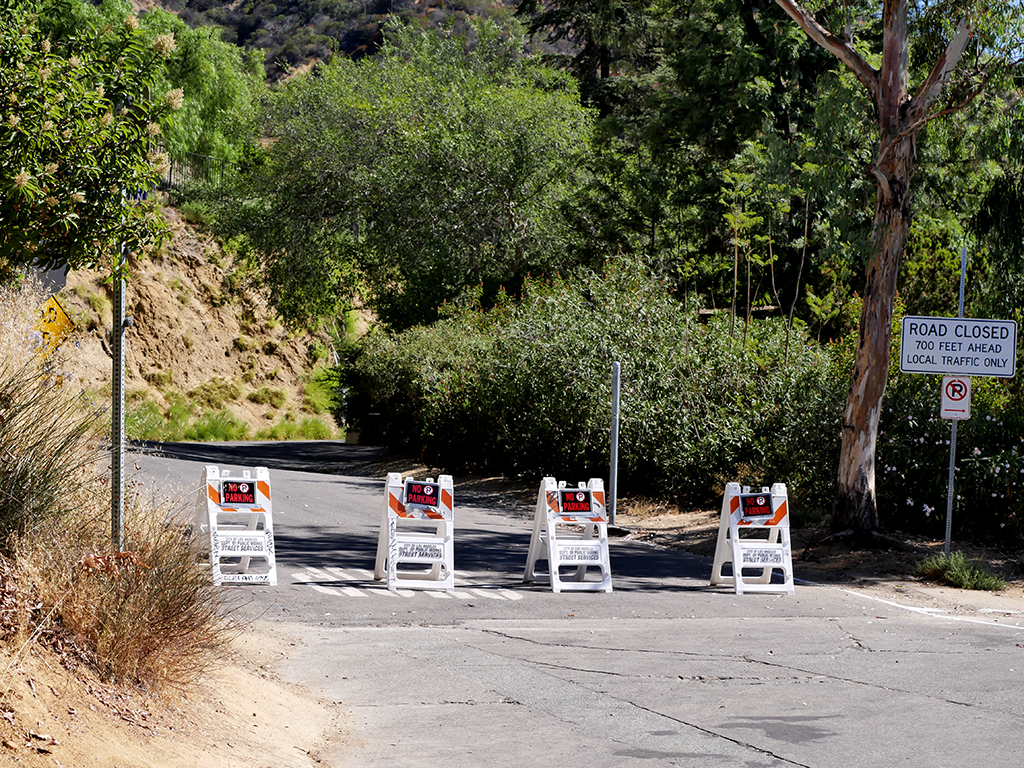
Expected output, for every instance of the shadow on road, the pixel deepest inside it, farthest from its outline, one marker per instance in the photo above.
(331, 456)
(635, 567)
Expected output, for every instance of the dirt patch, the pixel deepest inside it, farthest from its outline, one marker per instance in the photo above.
(242, 715)
(198, 330)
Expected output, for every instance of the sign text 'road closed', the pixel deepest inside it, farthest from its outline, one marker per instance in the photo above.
(964, 346)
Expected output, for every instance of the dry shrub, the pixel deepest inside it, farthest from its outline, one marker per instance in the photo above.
(148, 615)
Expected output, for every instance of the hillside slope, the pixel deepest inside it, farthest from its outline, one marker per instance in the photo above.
(202, 343)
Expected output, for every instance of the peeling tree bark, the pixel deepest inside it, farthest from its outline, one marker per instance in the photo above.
(900, 119)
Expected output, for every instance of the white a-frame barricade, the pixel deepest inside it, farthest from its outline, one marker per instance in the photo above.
(753, 535)
(237, 515)
(416, 541)
(570, 531)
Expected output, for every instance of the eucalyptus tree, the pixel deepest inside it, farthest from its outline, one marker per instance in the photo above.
(920, 60)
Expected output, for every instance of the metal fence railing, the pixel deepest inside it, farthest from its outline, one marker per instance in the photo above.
(189, 168)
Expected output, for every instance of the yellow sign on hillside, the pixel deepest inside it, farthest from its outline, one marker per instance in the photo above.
(54, 325)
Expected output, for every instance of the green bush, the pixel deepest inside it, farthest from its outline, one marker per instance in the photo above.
(310, 428)
(216, 426)
(956, 570)
(527, 388)
(268, 396)
(183, 420)
(320, 392)
(216, 393)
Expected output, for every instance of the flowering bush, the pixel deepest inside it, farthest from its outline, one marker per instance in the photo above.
(75, 135)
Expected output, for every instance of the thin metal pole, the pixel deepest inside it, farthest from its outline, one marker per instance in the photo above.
(613, 476)
(952, 435)
(117, 416)
(949, 496)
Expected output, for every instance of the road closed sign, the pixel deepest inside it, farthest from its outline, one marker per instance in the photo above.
(958, 346)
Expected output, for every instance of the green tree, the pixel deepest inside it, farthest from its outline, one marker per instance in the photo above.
(77, 119)
(221, 81)
(958, 48)
(425, 176)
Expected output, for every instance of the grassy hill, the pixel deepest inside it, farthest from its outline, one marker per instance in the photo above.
(205, 358)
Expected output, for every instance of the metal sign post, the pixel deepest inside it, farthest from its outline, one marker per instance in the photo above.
(117, 416)
(613, 475)
(952, 436)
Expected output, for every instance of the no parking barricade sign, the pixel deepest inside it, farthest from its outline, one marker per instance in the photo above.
(236, 514)
(746, 518)
(415, 546)
(570, 531)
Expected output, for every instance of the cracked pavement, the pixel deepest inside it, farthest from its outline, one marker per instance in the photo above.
(663, 671)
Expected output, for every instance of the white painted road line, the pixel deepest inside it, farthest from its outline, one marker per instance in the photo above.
(319, 577)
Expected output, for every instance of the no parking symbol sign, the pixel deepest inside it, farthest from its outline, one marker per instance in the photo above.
(956, 397)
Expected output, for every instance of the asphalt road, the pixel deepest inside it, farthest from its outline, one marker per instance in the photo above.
(663, 671)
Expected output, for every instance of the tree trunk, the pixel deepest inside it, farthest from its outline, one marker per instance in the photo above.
(855, 504)
(900, 119)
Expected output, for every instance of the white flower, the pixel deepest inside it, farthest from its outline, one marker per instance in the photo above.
(164, 45)
(175, 98)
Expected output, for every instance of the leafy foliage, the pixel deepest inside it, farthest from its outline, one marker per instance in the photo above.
(957, 571)
(411, 178)
(75, 140)
(527, 388)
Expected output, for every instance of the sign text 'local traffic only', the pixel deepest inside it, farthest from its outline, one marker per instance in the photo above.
(958, 346)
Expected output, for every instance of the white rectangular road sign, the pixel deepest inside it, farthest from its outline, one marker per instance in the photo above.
(956, 397)
(959, 345)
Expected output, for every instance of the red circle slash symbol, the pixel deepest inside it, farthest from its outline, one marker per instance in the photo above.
(956, 390)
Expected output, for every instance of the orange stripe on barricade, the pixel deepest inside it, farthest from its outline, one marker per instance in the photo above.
(213, 493)
(263, 488)
(396, 505)
(780, 513)
(553, 501)
(446, 498)
(599, 497)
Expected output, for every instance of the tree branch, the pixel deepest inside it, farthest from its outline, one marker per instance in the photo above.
(936, 80)
(842, 50)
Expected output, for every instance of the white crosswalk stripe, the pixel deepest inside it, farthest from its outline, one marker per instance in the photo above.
(359, 582)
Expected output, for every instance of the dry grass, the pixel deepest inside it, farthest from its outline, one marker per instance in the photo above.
(47, 427)
(148, 615)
